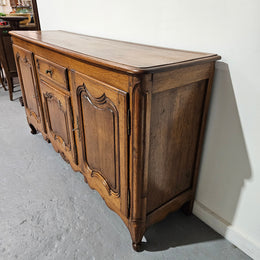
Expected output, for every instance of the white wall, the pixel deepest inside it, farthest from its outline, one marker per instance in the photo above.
(5, 7)
(228, 196)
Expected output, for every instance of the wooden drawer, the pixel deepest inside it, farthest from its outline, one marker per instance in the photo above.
(53, 72)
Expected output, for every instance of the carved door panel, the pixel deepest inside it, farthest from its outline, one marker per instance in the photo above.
(59, 120)
(30, 90)
(101, 115)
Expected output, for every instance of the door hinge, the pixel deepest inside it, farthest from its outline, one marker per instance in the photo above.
(128, 201)
(77, 128)
(128, 122)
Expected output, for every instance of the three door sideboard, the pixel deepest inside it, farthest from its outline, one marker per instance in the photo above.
(129, 117)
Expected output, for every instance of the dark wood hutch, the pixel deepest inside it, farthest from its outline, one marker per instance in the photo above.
(6, 51)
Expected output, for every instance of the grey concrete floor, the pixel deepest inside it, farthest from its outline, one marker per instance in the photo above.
(48, 212)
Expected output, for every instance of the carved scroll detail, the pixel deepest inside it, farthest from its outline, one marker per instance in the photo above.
(97, 174)
(50, 96)
(101, 103)
(26, 62)
(64, 157)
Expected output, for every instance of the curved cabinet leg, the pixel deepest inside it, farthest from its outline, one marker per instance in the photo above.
(137, 230)
(33, 130)
(2, 78)
(10, 86)
(187, 207)
(21, 101)
(137, 246)
(47, 139)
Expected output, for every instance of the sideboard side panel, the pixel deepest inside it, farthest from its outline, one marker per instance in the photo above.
(176, 117)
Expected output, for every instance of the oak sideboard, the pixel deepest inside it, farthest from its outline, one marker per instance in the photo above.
(129, 117)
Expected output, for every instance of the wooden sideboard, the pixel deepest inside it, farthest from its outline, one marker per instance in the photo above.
(129, 117)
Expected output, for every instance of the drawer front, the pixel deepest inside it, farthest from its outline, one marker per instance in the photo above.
(53, 72)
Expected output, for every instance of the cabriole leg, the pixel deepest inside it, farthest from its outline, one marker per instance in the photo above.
(21, 101)
(10, 86)
(33, 130)
(187, 207)
(137, 246)
(137, 230)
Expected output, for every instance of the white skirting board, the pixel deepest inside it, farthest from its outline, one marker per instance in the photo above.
(226, 230)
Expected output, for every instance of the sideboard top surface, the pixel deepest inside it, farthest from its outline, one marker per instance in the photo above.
(119, 55)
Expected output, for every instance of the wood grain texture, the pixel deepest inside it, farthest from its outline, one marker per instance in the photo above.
(125, 56)
(52, 72)
(118, 80)
(58, 116)
(180, 77)
(102, 137)
(129, 117)
(172, 205)
(175, 123)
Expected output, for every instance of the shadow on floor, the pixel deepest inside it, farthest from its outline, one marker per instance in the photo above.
(177, 230)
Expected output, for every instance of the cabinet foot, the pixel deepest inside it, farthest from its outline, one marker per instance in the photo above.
(21, 101)
(137, 229)
(47, 140)
(10, 86)
(187, 208)
(33, 130)
(137, 246)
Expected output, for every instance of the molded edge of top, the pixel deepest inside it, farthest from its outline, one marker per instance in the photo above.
(116, 65)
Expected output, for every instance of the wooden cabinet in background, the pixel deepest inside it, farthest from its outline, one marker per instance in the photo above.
(6, 52)
(129, 117)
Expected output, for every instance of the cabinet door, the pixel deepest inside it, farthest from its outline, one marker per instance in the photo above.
(101, 113)
(59, 120)
(29, 87)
